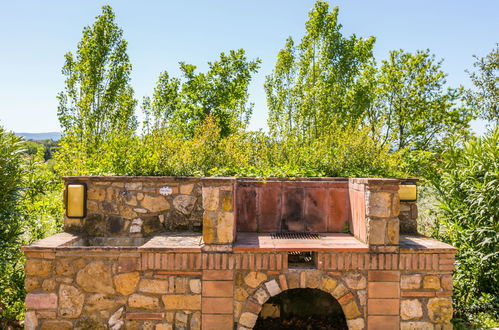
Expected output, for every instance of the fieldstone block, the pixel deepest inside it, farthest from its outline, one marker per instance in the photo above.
(153, 286)
(273, 288)
(99, 302)
(31, 283)
(356, 324)
(379, 204)
(339, 291)
(186, 189)
(56, 325)
(155, 204)
(261, 296)
(409, 282)
(95, 277)
(164, 326)
(41, 301)
(30, 320)
(184, 204)
(416, 326)
(70, 301)
(144, 302)
(431, 282)
(96, 194)
(38, 267)
(376, 231)
(313, 279)
(329, 284)
(210, 198)
(116, 320)
(355, 281)
(195, 323)
(351, 310)
(195, 285)
(440, 310)
(253, 279)
(227, 200)
(240, 294)
(248, 319)
(411, 309)
(126, 283)
(49, 285)
(225, 227)
(392, 231)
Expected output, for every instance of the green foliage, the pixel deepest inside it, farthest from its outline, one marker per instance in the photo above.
(411, 103)
(96, 109)
(348, 152)
(485, 97)
(468, 187)
(30, 209)
(318, 82)
(221, 92)
(11, 261)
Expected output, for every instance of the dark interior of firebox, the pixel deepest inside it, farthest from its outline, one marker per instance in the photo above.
(308, 309)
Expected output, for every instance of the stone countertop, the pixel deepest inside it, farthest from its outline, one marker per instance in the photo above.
(177, 242)
(423, 244)
(182, 242)
(337, 242)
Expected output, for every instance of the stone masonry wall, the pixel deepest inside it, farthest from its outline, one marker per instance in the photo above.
(394, 282)
(143, 206)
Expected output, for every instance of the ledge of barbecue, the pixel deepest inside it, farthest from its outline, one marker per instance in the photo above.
(327, 242)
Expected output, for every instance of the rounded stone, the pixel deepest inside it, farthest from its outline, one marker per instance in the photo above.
(70, 301)
(411, 309)
(95, 277)
(253, 279)
(440, 310)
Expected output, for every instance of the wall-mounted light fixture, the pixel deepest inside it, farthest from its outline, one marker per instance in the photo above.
(408, 192)
(76, 200)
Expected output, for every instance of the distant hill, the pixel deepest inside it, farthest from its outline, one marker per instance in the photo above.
(40, 136)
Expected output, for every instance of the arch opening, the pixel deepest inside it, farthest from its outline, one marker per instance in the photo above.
(302, 309)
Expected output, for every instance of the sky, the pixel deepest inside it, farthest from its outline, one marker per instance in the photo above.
(35, 35)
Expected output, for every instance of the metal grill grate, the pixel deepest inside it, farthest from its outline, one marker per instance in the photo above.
(295, 236)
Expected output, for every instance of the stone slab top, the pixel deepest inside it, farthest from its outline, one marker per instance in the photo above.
(338, 242)
(422, 244)
(52, 242)
(178, 242)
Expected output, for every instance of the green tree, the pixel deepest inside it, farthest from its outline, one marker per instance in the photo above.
(11, 271)
(318, 82)
(411, 101)
(485, 97)
(467, 181)
(96, 109)
(222, 93)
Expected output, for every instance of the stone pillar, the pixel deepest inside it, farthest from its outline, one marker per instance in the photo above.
(218, 213)
(375, 208)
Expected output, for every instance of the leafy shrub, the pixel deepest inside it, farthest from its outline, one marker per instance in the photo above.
(468, 187)
(30, 209)
(11, 261)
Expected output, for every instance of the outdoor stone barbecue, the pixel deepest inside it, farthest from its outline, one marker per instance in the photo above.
(223, 253)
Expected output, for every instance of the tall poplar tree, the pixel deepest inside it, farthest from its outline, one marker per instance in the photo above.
(317, 83)
(96, 108)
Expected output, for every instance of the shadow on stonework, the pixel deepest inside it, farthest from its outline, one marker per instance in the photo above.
(308, 309)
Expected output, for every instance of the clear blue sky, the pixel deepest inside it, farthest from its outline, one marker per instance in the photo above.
(35, 35)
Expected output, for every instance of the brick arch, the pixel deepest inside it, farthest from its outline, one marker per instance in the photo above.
(347, 298)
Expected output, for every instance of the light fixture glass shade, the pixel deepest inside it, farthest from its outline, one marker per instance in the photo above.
(75, 200)
(408, 192)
